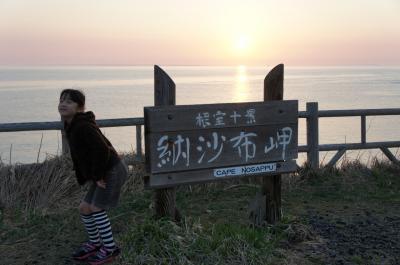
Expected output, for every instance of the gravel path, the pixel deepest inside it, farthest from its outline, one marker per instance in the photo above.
(360, 237)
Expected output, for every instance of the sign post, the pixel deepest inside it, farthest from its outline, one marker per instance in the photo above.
(164, 94)
(271, 206)
(189, 144)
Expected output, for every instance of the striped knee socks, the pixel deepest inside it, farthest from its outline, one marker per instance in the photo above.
(91, 228)
(104, 227)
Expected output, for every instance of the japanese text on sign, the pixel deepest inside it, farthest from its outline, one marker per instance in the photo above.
(205, 119)
(209, 148)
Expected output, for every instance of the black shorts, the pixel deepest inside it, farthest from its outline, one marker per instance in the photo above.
(108, 197)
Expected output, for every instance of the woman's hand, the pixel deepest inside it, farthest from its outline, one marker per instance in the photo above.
(101, 183)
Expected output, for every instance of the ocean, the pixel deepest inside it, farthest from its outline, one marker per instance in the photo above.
(29, 94)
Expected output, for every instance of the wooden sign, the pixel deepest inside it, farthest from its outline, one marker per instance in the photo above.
(198, 143)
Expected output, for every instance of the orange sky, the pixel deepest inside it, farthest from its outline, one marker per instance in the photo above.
(175, 32)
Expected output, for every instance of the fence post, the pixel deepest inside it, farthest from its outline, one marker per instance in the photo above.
(164, 94)
(312, 135)
(138, 142)
(363, 129)
(64, 141)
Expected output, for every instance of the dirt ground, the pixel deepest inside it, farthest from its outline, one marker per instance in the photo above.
(352, 236)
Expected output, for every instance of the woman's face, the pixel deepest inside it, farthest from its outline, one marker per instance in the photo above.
(68, 108)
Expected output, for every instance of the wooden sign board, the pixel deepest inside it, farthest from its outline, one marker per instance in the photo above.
(197, 143)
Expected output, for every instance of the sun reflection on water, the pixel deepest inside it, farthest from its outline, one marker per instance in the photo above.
(240, 93)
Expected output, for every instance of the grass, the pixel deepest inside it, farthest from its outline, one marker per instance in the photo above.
(40, 225)
(162, 241)
(353, 182)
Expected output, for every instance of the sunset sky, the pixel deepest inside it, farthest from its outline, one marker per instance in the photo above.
(207, 32)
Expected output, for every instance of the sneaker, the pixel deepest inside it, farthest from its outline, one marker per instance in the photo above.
(86, 250)
(103, 256)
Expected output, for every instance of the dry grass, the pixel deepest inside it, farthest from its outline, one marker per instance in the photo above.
(136, 172)
(51, 184)
(38, 186)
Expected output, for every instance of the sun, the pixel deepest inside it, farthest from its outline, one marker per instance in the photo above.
(242, 44)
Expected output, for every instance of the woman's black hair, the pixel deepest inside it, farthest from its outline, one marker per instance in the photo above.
(75, 95)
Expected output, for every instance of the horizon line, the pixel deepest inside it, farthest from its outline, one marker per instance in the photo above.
(196, 65)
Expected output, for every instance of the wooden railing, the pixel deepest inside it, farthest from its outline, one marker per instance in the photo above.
(312, 115)
(57, 125)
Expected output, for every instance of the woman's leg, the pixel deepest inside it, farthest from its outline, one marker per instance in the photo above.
(90, 223)
(84, 208)
(105, 198)
(89, 248)
(104, 227)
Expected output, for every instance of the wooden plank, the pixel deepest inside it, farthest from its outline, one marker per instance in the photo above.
(390, 155)
(31, 126)
(303, 114)
(358, 112)
(57, 125)
(209, 175)
(189, 150)
(213, 116)
(336, 158)
(358, 146)
(302, 148)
